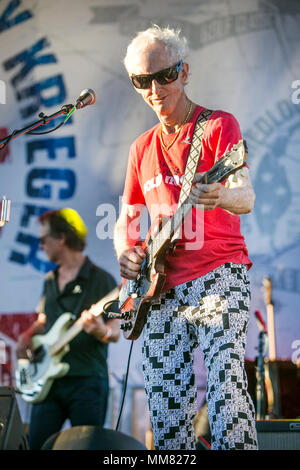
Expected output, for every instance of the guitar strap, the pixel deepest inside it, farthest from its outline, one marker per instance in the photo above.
(192, 161)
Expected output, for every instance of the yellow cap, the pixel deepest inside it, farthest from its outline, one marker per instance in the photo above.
(76, 222)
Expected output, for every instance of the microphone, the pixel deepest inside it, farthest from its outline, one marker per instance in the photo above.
(85, 98)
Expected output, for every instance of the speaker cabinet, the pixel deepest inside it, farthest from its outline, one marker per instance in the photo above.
(278, 434)
(12, 434)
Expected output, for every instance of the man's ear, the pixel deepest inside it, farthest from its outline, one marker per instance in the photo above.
(185, 73)
(62, 239)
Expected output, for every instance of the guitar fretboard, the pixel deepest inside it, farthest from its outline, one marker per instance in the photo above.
(169, 228)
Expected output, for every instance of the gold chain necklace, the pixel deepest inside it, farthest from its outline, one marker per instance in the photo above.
(166, 147)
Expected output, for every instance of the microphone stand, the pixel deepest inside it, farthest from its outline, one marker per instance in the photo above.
(65, 109)
(41, 122)
(260, 382)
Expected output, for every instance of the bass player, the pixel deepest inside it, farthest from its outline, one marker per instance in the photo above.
(74, 286)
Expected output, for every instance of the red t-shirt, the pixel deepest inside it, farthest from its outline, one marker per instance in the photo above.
(154, 179)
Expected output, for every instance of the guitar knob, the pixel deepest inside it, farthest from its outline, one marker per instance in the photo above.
(126, 326)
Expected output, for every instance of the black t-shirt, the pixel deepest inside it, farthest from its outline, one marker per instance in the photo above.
(87, 355)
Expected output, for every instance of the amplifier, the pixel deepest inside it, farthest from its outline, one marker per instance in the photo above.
(12, 434)
(276, 434)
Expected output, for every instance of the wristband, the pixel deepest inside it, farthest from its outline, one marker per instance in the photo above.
(107, 334)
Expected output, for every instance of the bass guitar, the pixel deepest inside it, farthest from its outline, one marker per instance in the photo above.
(136, 296)
(34, 376)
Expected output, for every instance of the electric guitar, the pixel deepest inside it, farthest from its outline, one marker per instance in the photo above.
(34, 376)
(271, 368)
(136, 296)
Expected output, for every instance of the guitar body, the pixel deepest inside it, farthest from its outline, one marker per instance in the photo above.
(138, 295)
(35, 377)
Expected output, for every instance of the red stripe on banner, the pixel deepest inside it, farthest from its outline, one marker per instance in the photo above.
(11, 326)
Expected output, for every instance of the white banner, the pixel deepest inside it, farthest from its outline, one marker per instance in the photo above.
(244, 59)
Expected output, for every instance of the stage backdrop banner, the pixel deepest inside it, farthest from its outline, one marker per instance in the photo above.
(244, 58)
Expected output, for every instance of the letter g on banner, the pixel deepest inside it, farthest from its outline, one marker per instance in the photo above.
(54, 175)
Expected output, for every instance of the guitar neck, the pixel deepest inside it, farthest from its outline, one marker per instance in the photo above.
(170, 227)
(73, 331)
(271, 332)
(76, 328)
(267, 287)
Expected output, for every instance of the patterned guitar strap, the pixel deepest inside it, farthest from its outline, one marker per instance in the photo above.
(192, 161)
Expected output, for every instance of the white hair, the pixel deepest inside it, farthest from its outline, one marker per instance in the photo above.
(176, 45)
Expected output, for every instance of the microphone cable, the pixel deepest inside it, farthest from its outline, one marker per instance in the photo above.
(105, 307)
(125, 386)
(57, 127)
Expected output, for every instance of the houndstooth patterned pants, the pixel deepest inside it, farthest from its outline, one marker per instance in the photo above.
(211, 311)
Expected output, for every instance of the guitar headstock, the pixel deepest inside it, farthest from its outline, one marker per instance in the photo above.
(237, 156)
(267, 290)
(232, 160)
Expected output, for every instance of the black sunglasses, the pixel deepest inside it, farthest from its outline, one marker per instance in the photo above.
(43, 239)
(163, 77)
